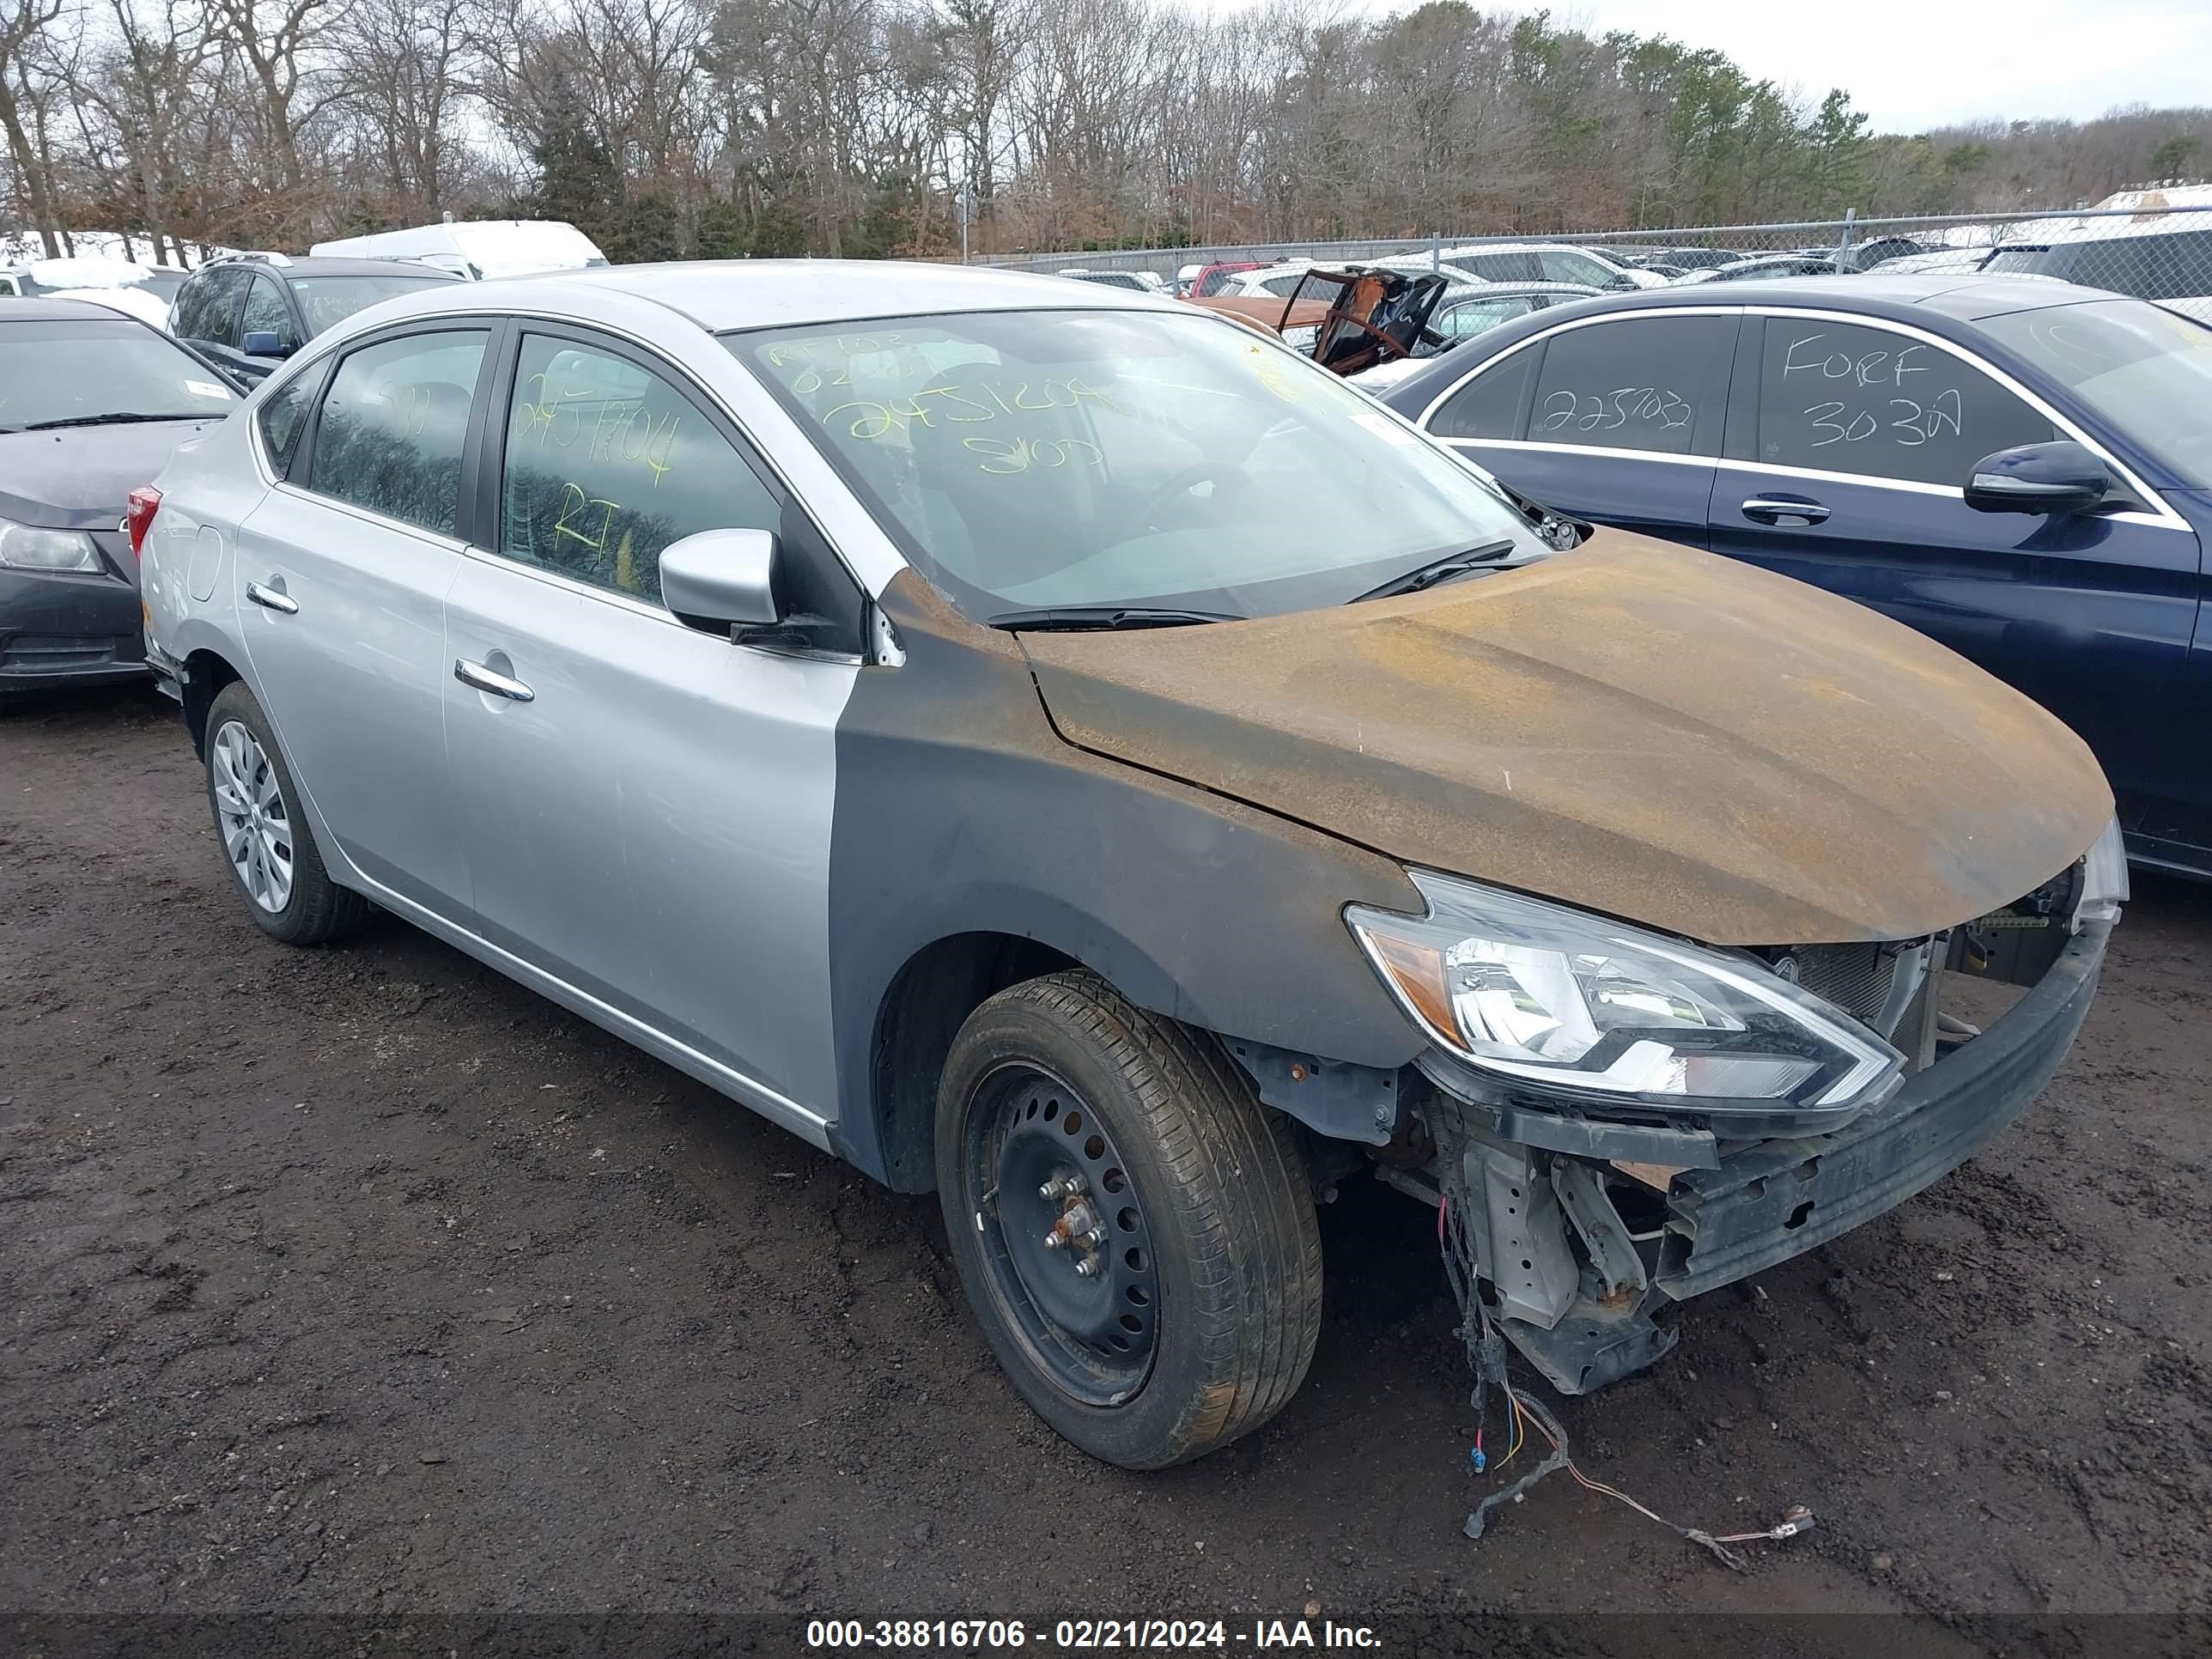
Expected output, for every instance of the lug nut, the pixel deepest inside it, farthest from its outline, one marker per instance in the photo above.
(1087, 1268)
(1050, 1190)
(1053, 1241)
(1095, 1238)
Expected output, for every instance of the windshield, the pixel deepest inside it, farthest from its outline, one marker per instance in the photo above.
(72, 371)
(2147, 371)
(1028, 459)
(331, 299)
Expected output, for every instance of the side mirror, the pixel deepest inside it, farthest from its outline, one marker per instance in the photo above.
(264, 342)
(720, 579)
(2059, 477)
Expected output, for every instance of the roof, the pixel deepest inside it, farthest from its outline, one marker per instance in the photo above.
(732, 294)
(1922, 298)
(59, 311)
(313, 266)
(85, 270)
(2157, 213)
(1459, 291)
(1964, 295)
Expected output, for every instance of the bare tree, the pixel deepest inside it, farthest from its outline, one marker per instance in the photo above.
(23, 26)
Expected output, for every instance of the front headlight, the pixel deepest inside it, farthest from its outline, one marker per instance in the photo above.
(2103, 879)
(1584, 1006)
(29, 549)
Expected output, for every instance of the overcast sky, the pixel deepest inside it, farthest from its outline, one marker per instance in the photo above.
(1912, 65)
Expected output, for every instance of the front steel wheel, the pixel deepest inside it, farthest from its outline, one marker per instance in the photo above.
(1134, 1228)
(1065, 1244)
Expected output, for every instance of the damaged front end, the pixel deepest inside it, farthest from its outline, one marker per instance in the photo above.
(1612, 1120)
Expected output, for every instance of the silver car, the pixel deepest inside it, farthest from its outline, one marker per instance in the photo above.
(1049, 748)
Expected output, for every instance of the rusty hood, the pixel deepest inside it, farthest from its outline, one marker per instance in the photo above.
(1633, 727)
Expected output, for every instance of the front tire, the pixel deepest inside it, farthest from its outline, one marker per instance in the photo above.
(1179, 1307)
(265, 840)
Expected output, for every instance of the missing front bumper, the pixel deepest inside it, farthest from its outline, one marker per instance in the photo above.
(1582, 1313)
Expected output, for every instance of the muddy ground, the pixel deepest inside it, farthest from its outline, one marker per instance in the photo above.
(363, 1280)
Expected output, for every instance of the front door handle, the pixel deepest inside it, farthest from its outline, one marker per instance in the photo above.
(491, 680)
(273, 598)
(1771, 509)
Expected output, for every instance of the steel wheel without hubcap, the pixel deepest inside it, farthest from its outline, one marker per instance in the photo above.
(1065, 1244)
(257, 832)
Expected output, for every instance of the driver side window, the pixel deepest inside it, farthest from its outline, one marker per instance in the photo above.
(265, 312)
(606, 464)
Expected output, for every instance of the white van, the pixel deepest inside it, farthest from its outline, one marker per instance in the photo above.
(476, 248)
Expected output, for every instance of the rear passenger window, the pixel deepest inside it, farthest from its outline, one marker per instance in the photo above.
(1503, 267)
(1647, 383)
(393, 426)
(208, 308)
(1841, 397)
(607, 464)
(1489, 405)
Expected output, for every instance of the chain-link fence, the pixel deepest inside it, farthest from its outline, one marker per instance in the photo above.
(2155, 244)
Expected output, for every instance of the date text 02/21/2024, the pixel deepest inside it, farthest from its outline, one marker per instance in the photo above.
(1086, 1635)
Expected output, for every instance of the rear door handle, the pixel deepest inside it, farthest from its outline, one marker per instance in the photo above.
(1769, 510)
(491, 680)
(273, 598)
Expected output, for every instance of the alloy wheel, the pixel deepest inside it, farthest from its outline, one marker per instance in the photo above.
(257, 831)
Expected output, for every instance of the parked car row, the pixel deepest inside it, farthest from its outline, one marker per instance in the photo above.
(1072, 756)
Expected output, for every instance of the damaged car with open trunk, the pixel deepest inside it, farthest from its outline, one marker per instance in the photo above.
(1053, 750)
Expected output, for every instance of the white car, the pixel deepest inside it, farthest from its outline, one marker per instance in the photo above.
(2150, 251)
(478, 248)
(117, 284)
(1137, 282)
(1548, 261)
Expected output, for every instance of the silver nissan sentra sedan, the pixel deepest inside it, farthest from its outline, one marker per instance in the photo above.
(1052, 748)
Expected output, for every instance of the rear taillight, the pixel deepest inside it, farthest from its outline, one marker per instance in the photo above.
(145, 502)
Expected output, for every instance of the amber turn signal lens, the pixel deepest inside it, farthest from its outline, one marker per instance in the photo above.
(1417, 971)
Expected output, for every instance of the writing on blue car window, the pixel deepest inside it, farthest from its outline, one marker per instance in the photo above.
(1843, 398)
(1637, 383)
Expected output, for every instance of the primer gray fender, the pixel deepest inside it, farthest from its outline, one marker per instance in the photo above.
(960, 810)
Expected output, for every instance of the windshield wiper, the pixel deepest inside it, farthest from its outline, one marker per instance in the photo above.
(106, 420)
(1066, 617)
(1438, 570)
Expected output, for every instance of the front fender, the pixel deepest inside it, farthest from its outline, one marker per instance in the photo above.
(960, 810)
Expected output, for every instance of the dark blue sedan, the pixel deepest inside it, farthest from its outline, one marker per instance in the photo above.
(2020, 468)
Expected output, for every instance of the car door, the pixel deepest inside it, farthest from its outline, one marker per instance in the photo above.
(1848, 449)
(343, 571)
(206, 318)
(1565, 265)
(1516, 265)
(1615, 418)
(646, 807)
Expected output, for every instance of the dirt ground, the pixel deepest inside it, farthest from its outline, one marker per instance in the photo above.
(363, 1280)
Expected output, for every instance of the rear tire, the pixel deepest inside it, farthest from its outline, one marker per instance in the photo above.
(264, 836)
(1199, 1314)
